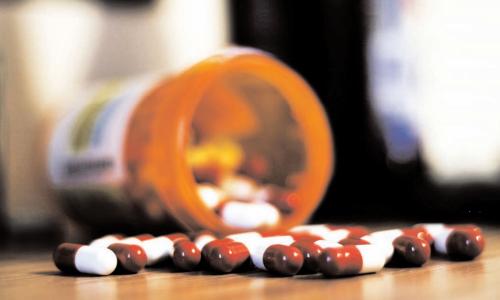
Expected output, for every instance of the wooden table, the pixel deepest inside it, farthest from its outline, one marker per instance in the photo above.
(33, 276)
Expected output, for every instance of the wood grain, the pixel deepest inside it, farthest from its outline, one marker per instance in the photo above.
(35, 277)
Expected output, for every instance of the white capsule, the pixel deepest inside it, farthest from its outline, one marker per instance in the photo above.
(257, 250)
(239, 187)
(211, 195)
(249, 215)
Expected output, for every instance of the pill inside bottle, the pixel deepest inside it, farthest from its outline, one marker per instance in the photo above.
(237, 142)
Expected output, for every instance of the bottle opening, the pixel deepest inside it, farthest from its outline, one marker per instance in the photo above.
(246, 152)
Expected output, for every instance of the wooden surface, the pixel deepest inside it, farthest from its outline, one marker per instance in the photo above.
(33, 276)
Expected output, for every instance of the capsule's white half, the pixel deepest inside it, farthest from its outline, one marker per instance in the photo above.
(325, 244)
(202, 240)
(257, 251)
(322, 231)
(239, 188)
(105, 241)
(312, 229)
(249, 215)
(247, 238)
(432, 228)
(385, 245)
(211, 195)
(95, 260)
(373, 258)
(157, 249)
(440, 233)
(131, 241)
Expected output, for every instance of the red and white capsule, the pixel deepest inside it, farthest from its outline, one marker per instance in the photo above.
(351, 260)
(160, 248)
(186, 255)
(230, 253)
(462, 242)
(404, 242)
(72, 258)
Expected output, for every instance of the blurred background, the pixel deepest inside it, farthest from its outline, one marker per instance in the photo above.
(411, 88)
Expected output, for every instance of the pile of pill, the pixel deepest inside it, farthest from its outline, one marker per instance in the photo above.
(230, 183)
(331, 250)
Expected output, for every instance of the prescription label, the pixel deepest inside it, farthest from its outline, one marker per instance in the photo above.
(87, 146)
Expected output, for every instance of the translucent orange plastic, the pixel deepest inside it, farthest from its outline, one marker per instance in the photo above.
(159, 133)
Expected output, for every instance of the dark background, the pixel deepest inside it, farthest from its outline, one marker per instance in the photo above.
(325, 41)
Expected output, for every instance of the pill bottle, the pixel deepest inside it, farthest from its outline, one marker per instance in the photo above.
(123, 158)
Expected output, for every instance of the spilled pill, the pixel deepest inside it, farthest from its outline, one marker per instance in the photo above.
(186, 255)
(461, 242)
(274, 254)
(351, 260)
(72, 258)
(225, 255)
(231, 252)
(311, 251)
(162, 247)
(412, 250)
(131, 258)
(404, 242)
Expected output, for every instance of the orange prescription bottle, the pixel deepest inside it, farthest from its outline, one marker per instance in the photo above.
(124, 157)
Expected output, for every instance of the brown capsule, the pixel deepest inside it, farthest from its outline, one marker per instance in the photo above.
(283, 260)
(412, 250)
(207, 249)
(353, 241)
(131, 258)
(186, 255)
(64, 257)
(342, 261)
(311, 253)
(465, 244)
(226, 256)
